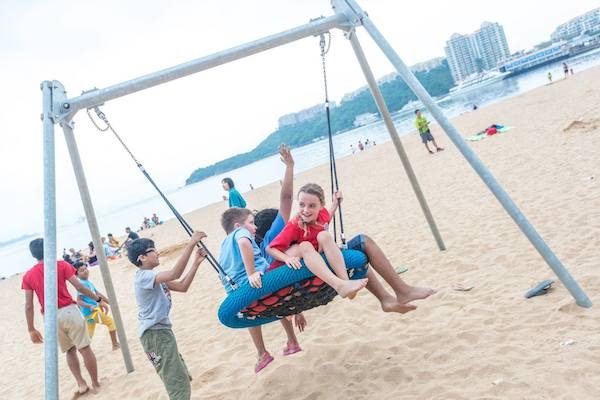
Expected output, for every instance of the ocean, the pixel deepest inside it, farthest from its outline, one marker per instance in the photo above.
(15, 257)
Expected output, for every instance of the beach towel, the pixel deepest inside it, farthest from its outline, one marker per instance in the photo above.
(489, 131)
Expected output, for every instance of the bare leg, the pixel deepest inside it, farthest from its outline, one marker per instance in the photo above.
(427, 147)
(113, 339)
(404, 292)
(264, 358)
(73, 363)
(89, 360)
(438, 148)
(333, 254)
(317, 266)
(257, 339)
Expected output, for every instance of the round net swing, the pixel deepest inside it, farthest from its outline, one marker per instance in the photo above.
(285, 291)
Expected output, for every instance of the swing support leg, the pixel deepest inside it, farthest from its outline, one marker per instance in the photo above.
(356, 16)
(90, 215)
(50, 274)
(385, 114)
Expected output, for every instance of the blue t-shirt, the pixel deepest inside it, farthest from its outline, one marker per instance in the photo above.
(276, 227)
(231, 258)
(236, 199)
(92, 302)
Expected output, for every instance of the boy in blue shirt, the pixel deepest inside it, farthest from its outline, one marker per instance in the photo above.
(242, 259)
(91, 311)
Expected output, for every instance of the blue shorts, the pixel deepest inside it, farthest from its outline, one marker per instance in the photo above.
(426, 137)
(357, 243)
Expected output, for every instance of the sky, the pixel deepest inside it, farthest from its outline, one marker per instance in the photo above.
(193, 122)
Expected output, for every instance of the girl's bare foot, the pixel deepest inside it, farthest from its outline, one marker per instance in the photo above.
(349, 289)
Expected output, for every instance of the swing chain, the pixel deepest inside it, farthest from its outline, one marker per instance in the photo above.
(100, 115)
(325, 45)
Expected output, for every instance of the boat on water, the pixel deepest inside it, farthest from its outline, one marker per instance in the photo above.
(479, 80)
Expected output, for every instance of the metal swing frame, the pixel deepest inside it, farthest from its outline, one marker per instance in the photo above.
(59, 109)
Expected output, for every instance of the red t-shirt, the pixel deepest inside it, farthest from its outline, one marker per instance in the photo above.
(293, 232)
(34, 280)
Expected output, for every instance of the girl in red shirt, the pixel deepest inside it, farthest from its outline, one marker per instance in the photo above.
(308, 229)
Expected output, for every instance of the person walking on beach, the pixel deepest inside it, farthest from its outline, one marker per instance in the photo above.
(565, 69)
(423, 127)
(549, 77)
(234, 197)
(153, 296)
(72, 332)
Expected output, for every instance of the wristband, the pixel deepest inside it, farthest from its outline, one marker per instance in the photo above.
(99, 299)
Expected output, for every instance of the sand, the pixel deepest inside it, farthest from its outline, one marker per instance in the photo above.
(488, 343)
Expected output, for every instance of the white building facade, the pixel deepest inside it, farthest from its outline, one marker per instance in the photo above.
(588, 22)
(481, 50)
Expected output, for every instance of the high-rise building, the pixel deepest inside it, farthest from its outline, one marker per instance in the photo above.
(491, 44)
(461, 57)
(479, 51)
(588, 22)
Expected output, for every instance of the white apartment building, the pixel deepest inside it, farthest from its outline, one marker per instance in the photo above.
(491, 45)
(590, 21)
(462, 57)
(479, 51)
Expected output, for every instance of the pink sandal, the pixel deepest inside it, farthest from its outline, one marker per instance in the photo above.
(291, 348)
(265, 360)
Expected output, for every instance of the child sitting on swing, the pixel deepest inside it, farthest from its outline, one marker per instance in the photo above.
(309, 230)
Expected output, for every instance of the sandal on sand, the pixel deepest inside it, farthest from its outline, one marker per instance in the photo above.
(265, 360)
(400, 270)
(291, 348)
(430, 152)
(540, 289)
(439, 149)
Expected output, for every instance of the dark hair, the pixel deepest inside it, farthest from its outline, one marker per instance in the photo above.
(263, 221)
(417, 110)
(229, 182)
(234, 216)
(36, 246)
(91, 245)
(109, 235)
(77, 265)
(138, 248)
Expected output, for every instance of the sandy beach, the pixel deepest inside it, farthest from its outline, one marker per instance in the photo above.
(486, 343)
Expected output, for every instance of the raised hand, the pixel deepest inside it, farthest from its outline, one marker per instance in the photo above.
(286, 155)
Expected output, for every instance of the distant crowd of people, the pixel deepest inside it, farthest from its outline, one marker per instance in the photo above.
(362, 146)
(111, 246)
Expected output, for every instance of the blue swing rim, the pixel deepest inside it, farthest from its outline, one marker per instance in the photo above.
(230, 310)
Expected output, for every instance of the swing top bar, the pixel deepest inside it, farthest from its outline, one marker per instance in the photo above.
(95, 97)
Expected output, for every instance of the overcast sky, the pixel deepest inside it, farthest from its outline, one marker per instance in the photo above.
(195, 121)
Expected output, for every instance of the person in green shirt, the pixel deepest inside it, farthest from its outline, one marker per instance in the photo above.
(423, 128)
(235, 198)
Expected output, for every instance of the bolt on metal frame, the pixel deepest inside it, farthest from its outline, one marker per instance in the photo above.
(57, 108)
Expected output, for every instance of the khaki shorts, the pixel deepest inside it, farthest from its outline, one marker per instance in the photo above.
(71, 329)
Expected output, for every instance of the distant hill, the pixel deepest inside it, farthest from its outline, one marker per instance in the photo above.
(437, 81)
